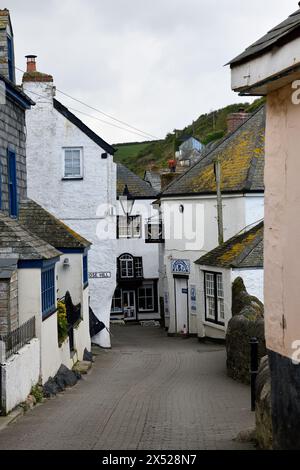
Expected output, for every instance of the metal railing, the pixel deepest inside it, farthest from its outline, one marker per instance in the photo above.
(18, 338)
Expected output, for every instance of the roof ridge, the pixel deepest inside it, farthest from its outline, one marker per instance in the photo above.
(61, 108)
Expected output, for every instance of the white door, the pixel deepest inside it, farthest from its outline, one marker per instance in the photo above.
(181, 304)
(129, 305)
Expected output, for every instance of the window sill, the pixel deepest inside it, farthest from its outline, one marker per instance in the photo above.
(47, 315)
(76, 178)
(213, 324)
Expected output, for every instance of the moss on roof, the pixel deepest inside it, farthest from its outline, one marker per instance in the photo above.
(39, 221)
(241, 155)
(244, 250)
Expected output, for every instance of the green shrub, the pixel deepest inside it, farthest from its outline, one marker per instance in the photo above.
(37, 392)
(62, 322)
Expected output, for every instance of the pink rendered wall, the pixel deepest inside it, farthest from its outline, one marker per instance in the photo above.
(282, 222)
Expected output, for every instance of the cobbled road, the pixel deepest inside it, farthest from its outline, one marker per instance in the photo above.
(148, 392)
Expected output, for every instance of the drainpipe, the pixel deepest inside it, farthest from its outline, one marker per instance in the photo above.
(217, 168)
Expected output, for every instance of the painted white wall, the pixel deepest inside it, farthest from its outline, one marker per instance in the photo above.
(254, 209)
(83, 205)
(19, 374)
(137, 246)
(70, 277)
(253, 280)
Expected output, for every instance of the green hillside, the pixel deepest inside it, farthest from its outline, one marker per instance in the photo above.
(139, 156)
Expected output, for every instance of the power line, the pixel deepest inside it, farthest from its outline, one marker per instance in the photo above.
(138, 132)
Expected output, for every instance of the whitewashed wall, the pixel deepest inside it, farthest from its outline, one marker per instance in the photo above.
(137, 246)
(83, 205)
(253, 280)
(19, 374)
(238, 212)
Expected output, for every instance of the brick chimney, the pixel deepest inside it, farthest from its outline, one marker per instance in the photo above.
(31, 74)
(31, 63)
(235, 120)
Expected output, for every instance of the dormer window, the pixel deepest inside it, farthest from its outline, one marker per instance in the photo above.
(73, 163)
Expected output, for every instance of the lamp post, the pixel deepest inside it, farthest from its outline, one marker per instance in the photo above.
(126, 201)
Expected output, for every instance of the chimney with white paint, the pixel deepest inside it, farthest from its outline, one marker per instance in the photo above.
(39, 86)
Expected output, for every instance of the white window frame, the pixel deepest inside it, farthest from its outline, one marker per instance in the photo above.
(115, 309)
(72, 177)
(126, 226)
(126, 259)
(214, 297)
(146, 286)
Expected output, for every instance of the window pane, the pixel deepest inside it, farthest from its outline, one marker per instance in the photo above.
(72, 163)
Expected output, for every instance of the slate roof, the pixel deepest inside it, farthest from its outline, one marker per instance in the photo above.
(83, 127)
(278, 36)
(10, 86)
(245, 250)
(241, 155)
(43, 224)
(137, 187)
(17, 242)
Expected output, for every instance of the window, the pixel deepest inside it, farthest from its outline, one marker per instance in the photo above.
(10, 59)
(48, 291)
(85, 271)
(12, 184)
(138, 267)
(129, 226)
(73, 163)
(214, 298)
(126, 266)
(116, 305)
(146, 298)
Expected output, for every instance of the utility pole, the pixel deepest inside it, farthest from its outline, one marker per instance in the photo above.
(217, 167)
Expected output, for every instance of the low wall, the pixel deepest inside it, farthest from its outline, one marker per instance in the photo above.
(19, 373)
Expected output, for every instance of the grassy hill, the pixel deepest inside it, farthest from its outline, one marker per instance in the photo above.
(139, 156)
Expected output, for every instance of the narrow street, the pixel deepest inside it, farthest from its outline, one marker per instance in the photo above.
(148, 392)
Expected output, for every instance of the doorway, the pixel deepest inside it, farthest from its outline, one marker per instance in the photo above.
(181, 304)
(129, 306)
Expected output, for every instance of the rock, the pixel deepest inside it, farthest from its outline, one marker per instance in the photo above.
(65, 377)
(82, 367)
(263, 412)
(50, 388)
(246, 323)
(88, 356)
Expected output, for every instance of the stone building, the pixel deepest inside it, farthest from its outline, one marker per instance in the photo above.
(72, 174)
(190, 214)
(271, 67)
(136, 297)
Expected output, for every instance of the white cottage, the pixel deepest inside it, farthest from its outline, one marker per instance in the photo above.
(136, 297)
(72, 174)
(240, 256)
(189, 212)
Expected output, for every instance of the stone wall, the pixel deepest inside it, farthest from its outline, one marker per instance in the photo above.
(9, 304)
(247, 322)
(12, 135)
(263, 410)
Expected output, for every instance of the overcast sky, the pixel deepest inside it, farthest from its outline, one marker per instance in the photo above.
(156, 64)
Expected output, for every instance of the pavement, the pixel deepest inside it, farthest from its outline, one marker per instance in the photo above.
(148, 392)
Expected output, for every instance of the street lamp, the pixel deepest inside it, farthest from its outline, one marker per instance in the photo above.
(126, 201)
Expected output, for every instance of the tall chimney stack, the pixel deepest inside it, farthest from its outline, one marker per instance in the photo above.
(31, 63)
(235, 120)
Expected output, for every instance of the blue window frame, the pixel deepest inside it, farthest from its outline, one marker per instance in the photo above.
(12, 184)
(85, 271)
(48, 291)
(10, 59)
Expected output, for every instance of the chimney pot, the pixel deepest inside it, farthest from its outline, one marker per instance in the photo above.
(31, 63)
